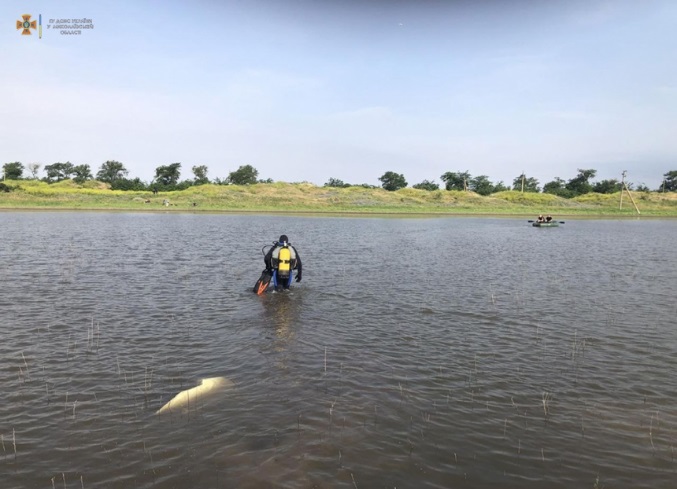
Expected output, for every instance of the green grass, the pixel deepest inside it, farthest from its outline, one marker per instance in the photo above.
(305, 197)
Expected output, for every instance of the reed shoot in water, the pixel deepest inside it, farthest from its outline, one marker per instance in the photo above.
(650, 433)
(546, 403)
(25, 364)
(331, 410)
(519, 448)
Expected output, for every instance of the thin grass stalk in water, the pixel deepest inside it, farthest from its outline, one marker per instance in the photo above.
(650, 433)
(25, 364)
(546, 403)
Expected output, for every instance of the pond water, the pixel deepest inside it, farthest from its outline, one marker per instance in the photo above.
(415, 353)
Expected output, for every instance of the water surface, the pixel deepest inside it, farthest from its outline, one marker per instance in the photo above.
(421, 353)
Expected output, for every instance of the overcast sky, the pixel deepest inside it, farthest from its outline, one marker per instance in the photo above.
(308, 90)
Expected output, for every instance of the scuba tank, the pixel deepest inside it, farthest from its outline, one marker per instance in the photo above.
(284, 261)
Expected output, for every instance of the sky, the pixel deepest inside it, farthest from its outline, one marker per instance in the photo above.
(310, 90)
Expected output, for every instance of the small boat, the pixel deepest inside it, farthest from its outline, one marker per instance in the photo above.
(551, 224)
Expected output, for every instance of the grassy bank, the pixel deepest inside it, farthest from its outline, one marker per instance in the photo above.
(303, 197)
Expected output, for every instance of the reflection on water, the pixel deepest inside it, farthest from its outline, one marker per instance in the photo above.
(281, 313)
(416, 353)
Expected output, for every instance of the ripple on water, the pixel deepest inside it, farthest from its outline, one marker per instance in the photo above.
(466, 363)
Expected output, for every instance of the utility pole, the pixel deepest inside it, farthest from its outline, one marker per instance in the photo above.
(620, 206)
(522, 182)
(625, 187)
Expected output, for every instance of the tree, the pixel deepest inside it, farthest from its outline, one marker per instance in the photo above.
(13, 171)
(200, 173)
(500, 187)
(245, 175)
(607, 186)
(557, 187)
(580, 184)
(82, 173)
(426, 185)
(335, 182)
(34, 168)
(530, 184)
(168, 175)
(128, 184)
(669, 181)
(456, 180)
(481, 185)
(392, 181)
(110, 171)
(59, 171)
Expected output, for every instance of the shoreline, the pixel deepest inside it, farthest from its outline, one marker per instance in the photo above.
(307, 199)
(339, 213)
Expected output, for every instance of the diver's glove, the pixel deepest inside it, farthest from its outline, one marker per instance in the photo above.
(298, 277)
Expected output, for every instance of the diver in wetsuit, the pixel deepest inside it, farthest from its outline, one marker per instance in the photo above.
(282, 259)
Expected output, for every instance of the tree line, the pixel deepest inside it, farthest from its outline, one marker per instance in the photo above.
(578, 185)
(167, 178)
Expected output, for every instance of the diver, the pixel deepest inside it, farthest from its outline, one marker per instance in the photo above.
(281, 260)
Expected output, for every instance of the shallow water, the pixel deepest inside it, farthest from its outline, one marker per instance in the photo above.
(422, 353)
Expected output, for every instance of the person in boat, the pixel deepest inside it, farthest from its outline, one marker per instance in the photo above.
(548, 218)
(540, 218)
(281, 260)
